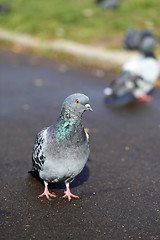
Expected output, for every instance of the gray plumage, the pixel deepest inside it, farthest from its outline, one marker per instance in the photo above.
(61, 151)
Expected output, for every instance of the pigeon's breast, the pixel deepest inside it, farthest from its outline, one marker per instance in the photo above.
(63, 162)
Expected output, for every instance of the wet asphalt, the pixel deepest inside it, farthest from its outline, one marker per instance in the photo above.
(119, 188)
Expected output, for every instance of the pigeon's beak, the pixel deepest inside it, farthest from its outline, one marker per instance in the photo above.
(88, 107)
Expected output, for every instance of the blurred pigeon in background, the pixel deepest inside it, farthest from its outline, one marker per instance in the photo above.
(108, 3)
(4, 8)
(138, 76)
(134, 38)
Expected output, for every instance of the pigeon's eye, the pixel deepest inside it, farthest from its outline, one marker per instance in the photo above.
(77, 101)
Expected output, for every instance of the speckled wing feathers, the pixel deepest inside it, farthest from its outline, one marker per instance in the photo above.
(38, 156)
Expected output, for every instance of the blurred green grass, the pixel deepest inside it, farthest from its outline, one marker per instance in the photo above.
(80, 20)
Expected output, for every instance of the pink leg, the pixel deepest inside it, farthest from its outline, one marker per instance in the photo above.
(46, 192)
(68, 193)
(145, 98)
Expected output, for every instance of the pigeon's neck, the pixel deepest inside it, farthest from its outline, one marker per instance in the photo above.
(66, 121)
(149, 54)
(70, 128)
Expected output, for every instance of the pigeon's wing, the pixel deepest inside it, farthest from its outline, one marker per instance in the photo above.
(38, 156)
(123, 84)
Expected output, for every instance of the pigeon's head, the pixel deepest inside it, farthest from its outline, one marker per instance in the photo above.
(76, 104)
(148, 44)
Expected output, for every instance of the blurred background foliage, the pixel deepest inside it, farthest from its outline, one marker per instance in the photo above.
(82, 21)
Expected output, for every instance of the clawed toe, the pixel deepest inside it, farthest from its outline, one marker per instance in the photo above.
(46, 192)
(47, 195)
(68, 193)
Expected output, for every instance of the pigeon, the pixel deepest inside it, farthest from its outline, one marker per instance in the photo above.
(108, 3)
(134, 38)
(61, 150)
(138, 76)
(4, 8)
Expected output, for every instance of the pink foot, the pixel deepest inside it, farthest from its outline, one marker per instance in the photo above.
(46, 192)
(145, 98)
(68, 193)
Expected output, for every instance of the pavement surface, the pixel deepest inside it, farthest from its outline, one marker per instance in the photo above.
(119, 188)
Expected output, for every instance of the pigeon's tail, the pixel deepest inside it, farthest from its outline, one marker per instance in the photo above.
(33, 172)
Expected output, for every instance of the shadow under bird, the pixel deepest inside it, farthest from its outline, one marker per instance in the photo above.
(61, 151)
